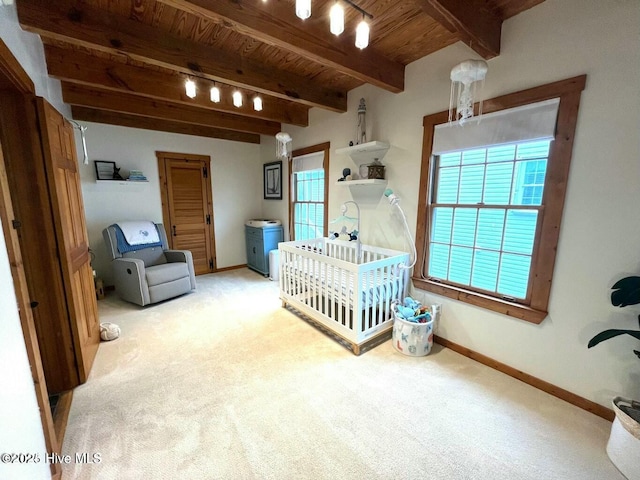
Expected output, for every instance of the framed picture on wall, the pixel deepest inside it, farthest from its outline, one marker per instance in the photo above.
(273, 181)
(105, 170)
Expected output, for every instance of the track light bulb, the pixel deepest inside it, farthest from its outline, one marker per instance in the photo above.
(362, 35)
(237, 99)
(257, 104)
(336, 19)
(215, 94)
(303, 9)
(190, 88)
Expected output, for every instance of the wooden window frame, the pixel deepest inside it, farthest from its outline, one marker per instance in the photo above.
(321, 147)
(544, 254)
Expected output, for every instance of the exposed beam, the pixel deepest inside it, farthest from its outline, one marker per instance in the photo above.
(133, 121)
(94, 28)
(471, 20)
(136, 105)
(276, 24)
(77, 67)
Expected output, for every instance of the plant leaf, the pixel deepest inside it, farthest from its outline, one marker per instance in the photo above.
(626, 292)
(607, 334)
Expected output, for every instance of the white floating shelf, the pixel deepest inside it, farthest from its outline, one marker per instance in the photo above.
(122, 182)
(367, 191)
(366, 182)
(365, 152)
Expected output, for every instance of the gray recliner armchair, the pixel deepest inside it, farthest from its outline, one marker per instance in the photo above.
(152, 274)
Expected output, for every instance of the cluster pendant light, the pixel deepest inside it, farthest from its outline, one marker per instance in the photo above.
(336, 19)
(214, 95)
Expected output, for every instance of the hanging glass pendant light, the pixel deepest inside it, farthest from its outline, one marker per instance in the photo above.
(214, 94)
(336, 19)
(257, 104)
(362, 34)
(237, 99)
(190, 88)
(303, 9)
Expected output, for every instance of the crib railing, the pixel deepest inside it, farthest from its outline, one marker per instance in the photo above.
(323, 279)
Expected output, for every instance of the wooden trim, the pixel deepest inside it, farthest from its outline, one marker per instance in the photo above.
(233, 267)
(512, 309)
(61, 417)
(547, 235)
(547, 387)
(11, 69)
(26, 318)
(326, 147)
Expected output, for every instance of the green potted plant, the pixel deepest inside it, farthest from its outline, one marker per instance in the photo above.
(623, 447)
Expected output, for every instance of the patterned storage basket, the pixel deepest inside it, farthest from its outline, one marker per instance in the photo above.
(410, 338)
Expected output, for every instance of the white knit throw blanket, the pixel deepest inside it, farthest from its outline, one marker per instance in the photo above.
(139, 232)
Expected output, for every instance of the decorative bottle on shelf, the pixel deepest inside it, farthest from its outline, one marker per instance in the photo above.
(361, 129)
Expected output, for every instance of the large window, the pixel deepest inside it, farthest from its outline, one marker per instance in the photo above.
(308, 196)
(484, 217)
(491, 200)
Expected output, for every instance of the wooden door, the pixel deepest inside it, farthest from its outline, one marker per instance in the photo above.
(63, 179)
(187, 206)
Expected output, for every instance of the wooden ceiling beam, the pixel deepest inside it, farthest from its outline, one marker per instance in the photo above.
(77, 67)
(81, 24)
(473, 22)
(133, 104)
(276, 24)
(146, 123)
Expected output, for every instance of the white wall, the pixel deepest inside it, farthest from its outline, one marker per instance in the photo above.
(236, 178)
(20, 426)
(600, 233)
(28, 49)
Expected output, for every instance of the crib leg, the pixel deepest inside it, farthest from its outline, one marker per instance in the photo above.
(356, 349)
(284, 304)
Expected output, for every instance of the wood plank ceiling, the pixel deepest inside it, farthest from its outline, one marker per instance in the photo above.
(125, 62)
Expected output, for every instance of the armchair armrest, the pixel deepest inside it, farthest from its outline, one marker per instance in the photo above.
(183, 256)
(130, 280)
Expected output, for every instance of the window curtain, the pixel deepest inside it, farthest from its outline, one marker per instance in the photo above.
(535, 121)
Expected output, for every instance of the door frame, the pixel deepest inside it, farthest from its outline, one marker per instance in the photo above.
(18, 79)
(163, 158)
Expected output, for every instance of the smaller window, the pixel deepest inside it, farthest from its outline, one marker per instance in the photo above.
(308, 193)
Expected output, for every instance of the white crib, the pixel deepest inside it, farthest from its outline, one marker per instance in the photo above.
(321, 279)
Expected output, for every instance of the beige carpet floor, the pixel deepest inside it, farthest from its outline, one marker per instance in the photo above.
(225, 383)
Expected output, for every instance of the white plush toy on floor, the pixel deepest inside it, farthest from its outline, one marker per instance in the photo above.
(109, 331)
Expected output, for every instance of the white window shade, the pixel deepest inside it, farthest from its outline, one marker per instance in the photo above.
(311, 161)
(535, 121)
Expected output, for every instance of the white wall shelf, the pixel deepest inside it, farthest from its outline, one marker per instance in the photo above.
(122, 182)
(365, 191)
(365, 152)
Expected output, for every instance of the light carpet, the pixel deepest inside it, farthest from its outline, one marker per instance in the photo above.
(225, 383)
